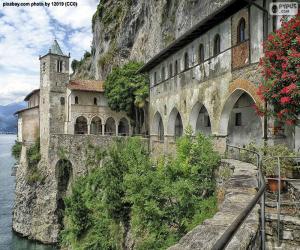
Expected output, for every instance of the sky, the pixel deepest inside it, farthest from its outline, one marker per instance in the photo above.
(27, 32)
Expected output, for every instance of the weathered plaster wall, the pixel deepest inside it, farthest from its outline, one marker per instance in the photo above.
(34, 100)
(29, 125)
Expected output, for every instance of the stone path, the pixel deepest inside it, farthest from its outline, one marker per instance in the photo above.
(239, 190)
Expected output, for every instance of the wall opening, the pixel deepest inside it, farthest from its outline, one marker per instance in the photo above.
(158, 127)
(110, 126)
(239, 120)
(96, 126)
(175, 125)
(200, 120)
(81, 126)
(123, 127)
(178, 126)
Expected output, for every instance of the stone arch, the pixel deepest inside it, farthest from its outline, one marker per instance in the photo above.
(200, 119)
(81, 125)
(239, 121)
(123, 127)
(110, 126)
(175, 125)
(63, 174)
(96, 126)
(158, 126)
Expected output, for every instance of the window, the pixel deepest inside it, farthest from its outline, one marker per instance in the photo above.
(238, 119)
(95, 101)
(176, 67)
(217, 45)
(59, 66)
(186, 61)
(155, 78)
(163, 73)
(62, 101)
(201, 53)
(241, 31)
(76, 100)
(44, 67)
(170, 70)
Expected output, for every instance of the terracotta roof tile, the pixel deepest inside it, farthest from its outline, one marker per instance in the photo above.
(86, 85)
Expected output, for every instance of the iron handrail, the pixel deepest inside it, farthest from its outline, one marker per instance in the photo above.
(224, 240)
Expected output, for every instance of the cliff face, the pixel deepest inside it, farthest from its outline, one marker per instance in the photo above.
(139, 29)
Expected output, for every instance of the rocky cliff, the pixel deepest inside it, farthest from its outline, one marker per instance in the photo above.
(138, 29)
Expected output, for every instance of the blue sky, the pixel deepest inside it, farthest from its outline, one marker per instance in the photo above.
(26, 33)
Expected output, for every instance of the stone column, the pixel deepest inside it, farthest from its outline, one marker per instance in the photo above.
(89, 128)
(103, 129)
(117, 125)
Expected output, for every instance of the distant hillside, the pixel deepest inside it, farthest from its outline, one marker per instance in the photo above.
(8, 122)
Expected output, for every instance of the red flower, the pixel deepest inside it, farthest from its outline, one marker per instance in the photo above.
(290, 122)
(288, 89)
(285, 100)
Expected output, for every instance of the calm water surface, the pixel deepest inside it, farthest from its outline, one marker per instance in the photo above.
(9, 240)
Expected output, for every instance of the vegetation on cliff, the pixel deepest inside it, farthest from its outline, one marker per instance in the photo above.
(132, 200)
(33, 156)
(127, 90)
(16, 150)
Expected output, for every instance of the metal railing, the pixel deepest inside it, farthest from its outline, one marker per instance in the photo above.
(279, 178)
(233, 228)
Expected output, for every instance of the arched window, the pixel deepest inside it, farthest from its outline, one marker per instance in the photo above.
(186, 60)
(170, 70)
(95, 101)
(217, 45)
(163, 73)
(201, 53)
(176, 67)
(76, 100)
(241, 31)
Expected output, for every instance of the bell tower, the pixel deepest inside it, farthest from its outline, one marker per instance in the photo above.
(54, 76)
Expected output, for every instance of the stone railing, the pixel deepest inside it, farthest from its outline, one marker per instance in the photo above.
(238, 190)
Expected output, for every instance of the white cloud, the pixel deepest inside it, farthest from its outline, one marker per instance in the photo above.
(26, 33)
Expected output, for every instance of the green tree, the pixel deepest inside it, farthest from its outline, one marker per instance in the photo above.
(127, 90)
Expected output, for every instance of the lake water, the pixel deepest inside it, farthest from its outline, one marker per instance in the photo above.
(8, 239)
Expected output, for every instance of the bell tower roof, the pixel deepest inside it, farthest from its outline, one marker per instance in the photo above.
(55, 48)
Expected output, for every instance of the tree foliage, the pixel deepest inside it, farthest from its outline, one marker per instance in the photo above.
(127, 90)
(281, 71)
(157, 201)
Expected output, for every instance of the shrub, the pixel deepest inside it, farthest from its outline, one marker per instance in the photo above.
(281, 72)
(33, 159)
(159, 201)
(16, 150)
(269, 155)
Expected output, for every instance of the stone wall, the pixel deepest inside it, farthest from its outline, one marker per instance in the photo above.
(237, 192)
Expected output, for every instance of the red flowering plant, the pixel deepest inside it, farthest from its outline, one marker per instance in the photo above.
(281, 72)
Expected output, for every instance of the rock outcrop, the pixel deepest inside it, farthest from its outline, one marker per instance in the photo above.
(137, 30)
